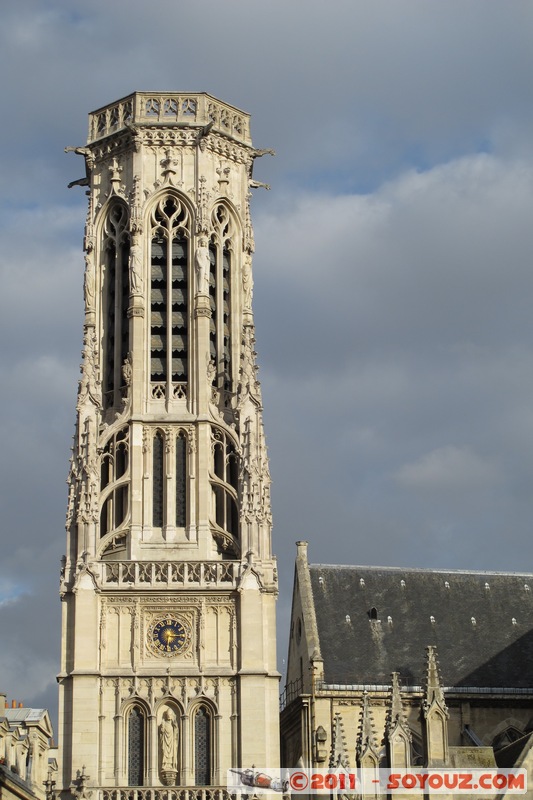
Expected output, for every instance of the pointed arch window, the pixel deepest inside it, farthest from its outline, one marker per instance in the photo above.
(224, 483)
(116, 249)
(220, 256)
(114, 482)
(202, 746)
(169, 299)
(136, 746)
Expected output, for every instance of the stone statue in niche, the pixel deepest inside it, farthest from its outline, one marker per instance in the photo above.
(211, 371)
(247, 281)
(168, 747)
(127, 370)
(89, 282)
(202, 264)
(136, 267)
(90, 385)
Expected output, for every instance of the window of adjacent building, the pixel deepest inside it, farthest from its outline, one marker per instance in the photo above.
(509, 735)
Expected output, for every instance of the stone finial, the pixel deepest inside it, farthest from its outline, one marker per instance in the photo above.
(435, 714)
(367, 746)
(339, 752)
(396, 715)
(434, 691)
(397, 732)
(79, 786)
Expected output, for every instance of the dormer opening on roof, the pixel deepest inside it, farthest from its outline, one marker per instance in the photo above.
(506, 737)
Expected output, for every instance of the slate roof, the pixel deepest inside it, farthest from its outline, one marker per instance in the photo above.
(15, 715)
(478, 644)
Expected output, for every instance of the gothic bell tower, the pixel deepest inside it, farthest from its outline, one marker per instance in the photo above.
(168, 587)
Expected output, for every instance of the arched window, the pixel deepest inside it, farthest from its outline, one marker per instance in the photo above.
(116, 248)
(114, 473)
(224, 483)
(220, 297)
(169, 315)
(202, 747)
(417, 748)
(136, 747)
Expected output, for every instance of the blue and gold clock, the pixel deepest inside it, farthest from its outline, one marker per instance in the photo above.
(168, 635)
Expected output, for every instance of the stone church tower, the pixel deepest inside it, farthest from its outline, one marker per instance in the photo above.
(168, 587)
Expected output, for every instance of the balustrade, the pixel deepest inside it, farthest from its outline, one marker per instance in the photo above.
(154, 574)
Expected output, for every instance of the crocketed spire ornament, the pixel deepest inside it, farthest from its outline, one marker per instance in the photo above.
(397, 732)
(435, 714)
(367, 746)
(339, 752)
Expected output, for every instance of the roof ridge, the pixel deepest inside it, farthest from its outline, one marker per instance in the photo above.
(422, 569)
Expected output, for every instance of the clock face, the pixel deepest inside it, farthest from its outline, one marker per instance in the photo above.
(168, 636)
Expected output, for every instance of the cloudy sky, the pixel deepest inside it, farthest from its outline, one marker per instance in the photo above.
(393, 273)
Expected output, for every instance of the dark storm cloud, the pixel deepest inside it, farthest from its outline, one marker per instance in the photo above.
(393, 256)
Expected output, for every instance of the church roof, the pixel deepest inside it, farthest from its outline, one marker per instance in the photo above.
(372, 621)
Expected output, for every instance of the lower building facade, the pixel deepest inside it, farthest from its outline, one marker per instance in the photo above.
(400, 668)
